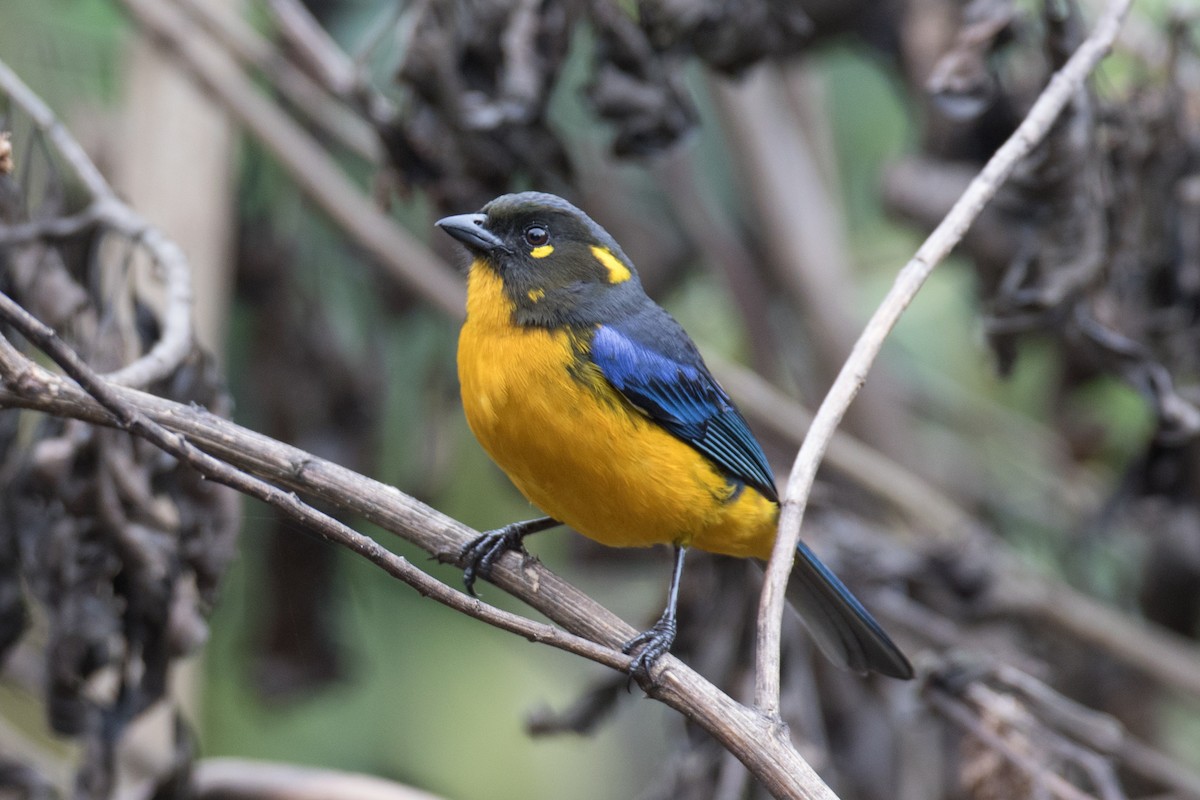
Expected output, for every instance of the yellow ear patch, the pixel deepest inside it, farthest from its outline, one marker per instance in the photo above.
(535, 294)
(617, 272)
(543, 251)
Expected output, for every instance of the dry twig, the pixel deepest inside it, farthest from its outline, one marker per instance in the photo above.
(1062, 87)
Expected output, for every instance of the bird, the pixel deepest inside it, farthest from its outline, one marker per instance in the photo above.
(600, 409)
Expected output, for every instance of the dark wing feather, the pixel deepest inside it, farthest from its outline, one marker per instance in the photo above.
(657, 368)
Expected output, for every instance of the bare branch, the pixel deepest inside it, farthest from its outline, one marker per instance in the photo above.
(212, 445)
(1062, 87)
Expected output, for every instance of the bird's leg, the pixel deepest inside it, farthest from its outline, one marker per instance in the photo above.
(481, 552)
(654, 643)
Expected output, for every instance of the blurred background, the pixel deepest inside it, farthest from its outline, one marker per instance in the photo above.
(1015, 491)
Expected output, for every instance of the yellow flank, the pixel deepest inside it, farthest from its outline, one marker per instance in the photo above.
(617, 272)
(543, 251)
(583, 454)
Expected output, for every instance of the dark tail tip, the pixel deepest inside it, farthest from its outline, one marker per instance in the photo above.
(843, 629)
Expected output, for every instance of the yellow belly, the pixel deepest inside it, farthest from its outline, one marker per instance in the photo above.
(582, 453)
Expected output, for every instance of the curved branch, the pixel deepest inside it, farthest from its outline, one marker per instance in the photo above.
(1062, 87)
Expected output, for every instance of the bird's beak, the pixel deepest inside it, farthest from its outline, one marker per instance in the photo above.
(469, 229)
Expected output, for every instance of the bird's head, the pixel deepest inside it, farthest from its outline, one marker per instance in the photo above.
(556, 265)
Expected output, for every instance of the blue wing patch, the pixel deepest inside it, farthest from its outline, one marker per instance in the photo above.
(678, 393)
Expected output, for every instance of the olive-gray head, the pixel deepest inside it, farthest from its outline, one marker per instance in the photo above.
(557, 265)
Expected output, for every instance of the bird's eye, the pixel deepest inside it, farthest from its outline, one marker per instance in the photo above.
(536, 235)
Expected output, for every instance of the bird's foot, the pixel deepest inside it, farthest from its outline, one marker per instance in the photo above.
(481, 553)
(651, 645)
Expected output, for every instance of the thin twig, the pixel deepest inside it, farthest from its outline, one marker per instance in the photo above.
(50, 228)
(329, 64)
(1062, 87)
(1016, 715)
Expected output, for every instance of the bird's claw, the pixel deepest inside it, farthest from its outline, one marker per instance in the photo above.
(651, 645)
(481, 554)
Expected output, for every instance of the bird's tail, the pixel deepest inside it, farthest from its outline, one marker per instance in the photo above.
(844, 630)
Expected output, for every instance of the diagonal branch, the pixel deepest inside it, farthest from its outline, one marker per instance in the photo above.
(1064, 85)
(128, 417)
(277, 473)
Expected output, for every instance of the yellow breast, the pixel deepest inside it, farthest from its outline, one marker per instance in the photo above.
(582, 453)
